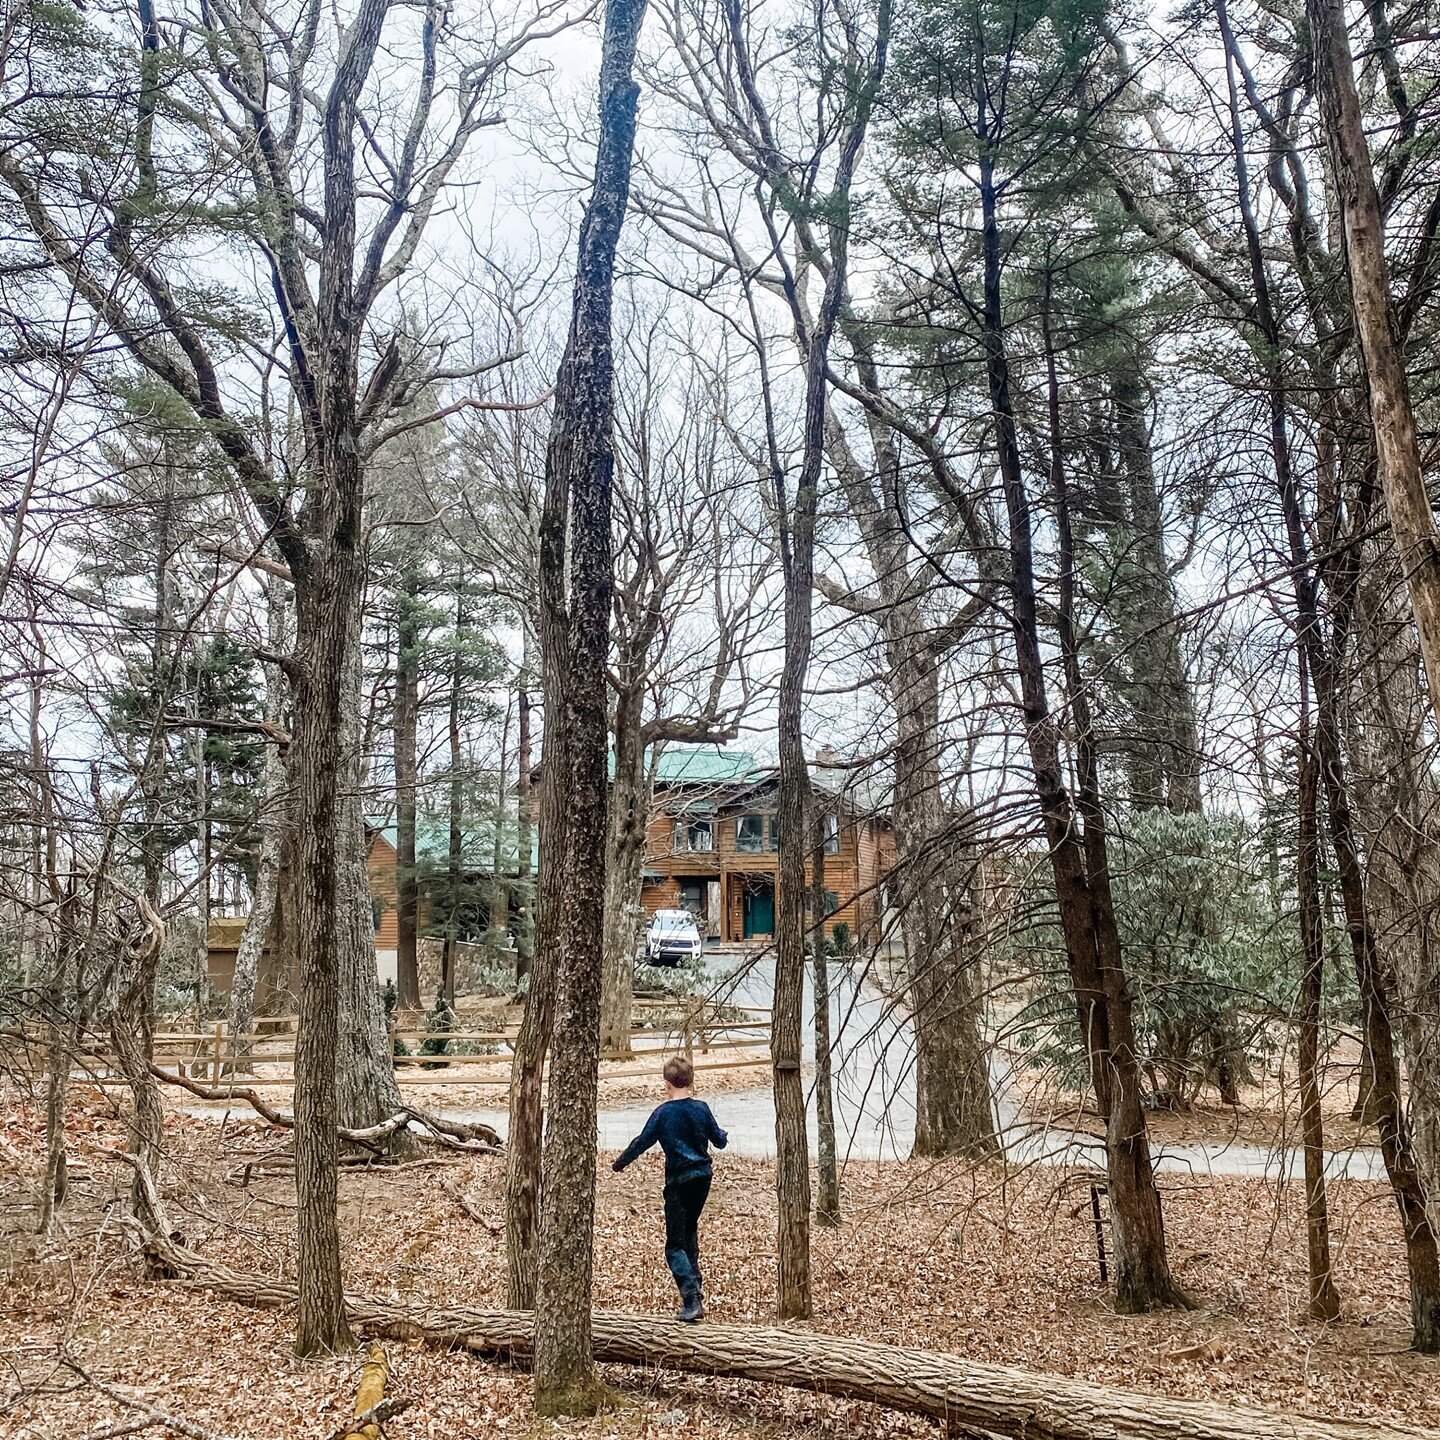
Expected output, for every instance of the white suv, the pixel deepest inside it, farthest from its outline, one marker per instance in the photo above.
(673, 937)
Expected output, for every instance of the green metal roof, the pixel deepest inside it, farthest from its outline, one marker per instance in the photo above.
(477, 841)
(703, 765)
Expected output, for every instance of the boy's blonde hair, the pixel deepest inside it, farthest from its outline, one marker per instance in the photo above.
(679, 1072)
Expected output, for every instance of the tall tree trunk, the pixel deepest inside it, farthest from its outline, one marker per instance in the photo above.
(527, 1069)
(1397, 448)
(579, 470)
(455, 838)
(132, 1038)
(624, 868)
(1324, 1298)
(407, 715)
(524, 824)
(1165, 769)
(796, 520)
(1078, 851)
(827, 1199)
(273, 804)
(325, 604)
(132, 1016)
(45, 878)
(366, 1092)
(1375, 981)
(953, 1108)
(954, 1111)
(1397, 804)
(54, 1177)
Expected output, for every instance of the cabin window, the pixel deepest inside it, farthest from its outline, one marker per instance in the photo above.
(377, 910)
(832, 903)
(750, 834)
(694, 835)
(832, 834)
(775, 832)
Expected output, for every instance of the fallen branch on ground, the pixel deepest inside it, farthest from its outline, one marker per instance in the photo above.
(996, 1398)
(470, 1208)
(154, 1415)
(456, 1134)
(370, 1420)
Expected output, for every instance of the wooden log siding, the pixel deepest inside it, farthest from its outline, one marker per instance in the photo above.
(384, 867)
(852, 874)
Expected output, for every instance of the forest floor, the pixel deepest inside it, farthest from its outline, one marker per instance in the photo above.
(1268, 1113)
(951, 1256)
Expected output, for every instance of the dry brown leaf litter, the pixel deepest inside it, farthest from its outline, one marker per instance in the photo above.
(945, 1256)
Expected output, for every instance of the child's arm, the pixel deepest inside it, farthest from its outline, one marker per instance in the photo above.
(640, 1144)
(718, 1137)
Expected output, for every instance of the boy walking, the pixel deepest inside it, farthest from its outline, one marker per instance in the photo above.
(684, 1129)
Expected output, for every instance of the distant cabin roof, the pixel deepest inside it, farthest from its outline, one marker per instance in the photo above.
(703, 765)
(855, 786)
(477, 841)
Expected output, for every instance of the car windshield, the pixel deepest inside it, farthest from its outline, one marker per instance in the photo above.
(672, 924)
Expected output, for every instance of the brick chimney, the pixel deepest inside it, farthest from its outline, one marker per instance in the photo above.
(827, 755)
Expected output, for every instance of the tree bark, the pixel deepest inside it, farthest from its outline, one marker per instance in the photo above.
(954, 1111)
(524, 824)
(629, 815)
(579, 470)
(1376, 983)
(1076, 839)
(1324, 1298)
(1397, 805)
(1392, 417)
(455, 840)
(1165, 762)
(273, 805)
(132, 1016)
(407, 707)
(323, 607)
(953, 1106)
(827, 1199)
(366, 1091)
(527, 1072)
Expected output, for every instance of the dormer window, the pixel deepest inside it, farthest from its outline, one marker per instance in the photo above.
(694, 836)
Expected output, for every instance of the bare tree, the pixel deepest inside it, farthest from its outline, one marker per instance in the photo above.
(261, 89)
(574, 637)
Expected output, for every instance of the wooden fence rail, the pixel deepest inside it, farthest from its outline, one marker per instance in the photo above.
(266, 1056)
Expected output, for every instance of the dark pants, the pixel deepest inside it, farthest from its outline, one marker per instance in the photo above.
(683, 1203)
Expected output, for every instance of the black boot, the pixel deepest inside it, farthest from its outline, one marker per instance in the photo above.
(692, 1307)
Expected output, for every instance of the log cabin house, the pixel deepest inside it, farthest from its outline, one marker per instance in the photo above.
(712, 844)
(483, 882)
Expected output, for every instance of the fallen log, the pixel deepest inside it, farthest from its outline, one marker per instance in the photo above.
(457, 1134)
(1001, 1399)
(369, 1395)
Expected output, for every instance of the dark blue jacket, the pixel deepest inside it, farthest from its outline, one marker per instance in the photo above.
(684, 1130)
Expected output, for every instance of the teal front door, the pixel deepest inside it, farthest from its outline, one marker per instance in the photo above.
(759, 912)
